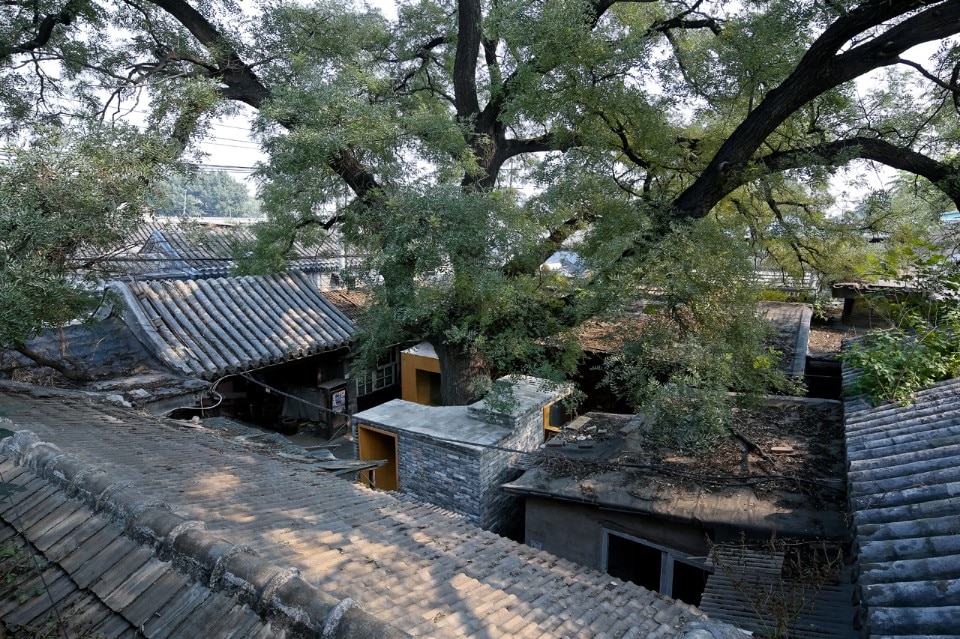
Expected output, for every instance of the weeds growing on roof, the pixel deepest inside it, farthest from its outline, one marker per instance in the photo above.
(778, 601)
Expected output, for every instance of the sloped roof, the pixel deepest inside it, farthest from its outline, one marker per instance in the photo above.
(201, 247)
(209, 328)
(904, 484)
(424, 569)
(100, 582)
(208, 251)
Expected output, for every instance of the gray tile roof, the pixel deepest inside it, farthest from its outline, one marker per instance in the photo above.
(103, 575)
(209, 328)
(422, 568)
(756, 589)
(197, 251)
(196, 248)
(904, 483)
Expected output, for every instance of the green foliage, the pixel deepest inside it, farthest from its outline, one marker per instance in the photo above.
(698, 339)
(16, 565)
(439, 253)
(67, 198)
(922, 346)
(202, 194)
(572, 123)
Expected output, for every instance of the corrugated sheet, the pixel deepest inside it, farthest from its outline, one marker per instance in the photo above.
(904, 484)
(208, 328)
(750, 589)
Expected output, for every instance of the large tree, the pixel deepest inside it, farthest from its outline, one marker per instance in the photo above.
(619, 119)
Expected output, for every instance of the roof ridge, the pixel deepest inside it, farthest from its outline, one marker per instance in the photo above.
(274, 592)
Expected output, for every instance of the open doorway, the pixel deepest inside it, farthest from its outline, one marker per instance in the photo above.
(654, 567)
(428, 388)
(374, 444)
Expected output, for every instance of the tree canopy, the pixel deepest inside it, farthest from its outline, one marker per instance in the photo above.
(465, 142)
(203, 194)
(68, 199)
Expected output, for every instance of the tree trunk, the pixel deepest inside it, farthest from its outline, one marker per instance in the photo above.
(73, 373)
(460, 370)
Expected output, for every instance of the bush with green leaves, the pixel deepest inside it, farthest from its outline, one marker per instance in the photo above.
(67, 199)
(700, 347)
(922, 345)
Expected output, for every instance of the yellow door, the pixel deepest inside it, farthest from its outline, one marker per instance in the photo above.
(375, 445)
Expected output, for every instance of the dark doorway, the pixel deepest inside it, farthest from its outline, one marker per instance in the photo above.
(634, 562)
(655, 568)
(689, 582)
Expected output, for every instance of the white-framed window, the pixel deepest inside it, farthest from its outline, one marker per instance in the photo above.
(670, 572)
(387, 374)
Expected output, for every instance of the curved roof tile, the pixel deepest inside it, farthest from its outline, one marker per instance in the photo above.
(213, 327)
(904, 483)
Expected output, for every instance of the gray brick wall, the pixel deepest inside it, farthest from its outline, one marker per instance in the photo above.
(440, 473)
(500, 511)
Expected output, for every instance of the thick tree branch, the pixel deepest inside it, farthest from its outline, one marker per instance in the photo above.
(44, 32)
(600, 7)
(465, 64)
(242, 84)
(60, 364)
(944, 176)
(553, 242)
(822, 68)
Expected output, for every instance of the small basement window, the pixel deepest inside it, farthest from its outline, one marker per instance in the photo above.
(654, 567)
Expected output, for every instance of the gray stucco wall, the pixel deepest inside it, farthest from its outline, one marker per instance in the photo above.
(575, 531)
